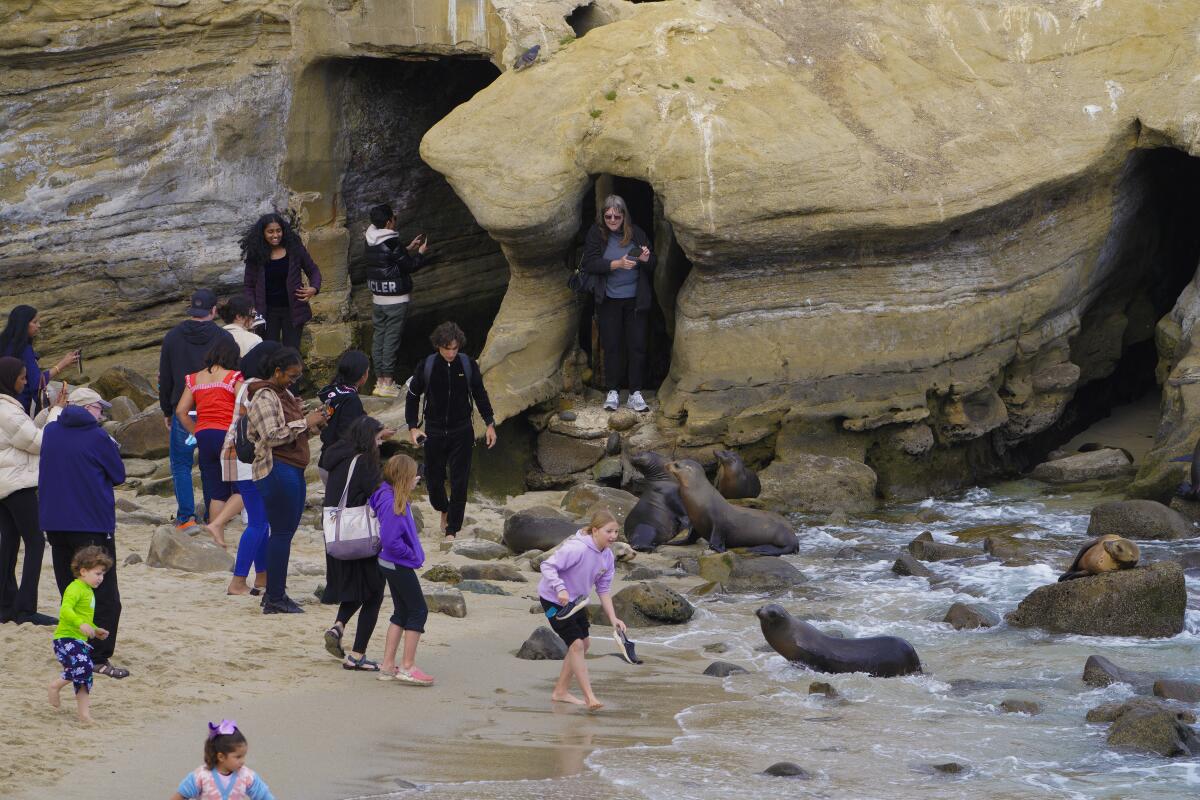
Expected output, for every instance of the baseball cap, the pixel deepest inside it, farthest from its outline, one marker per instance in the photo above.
(83, 396)
(203, 301)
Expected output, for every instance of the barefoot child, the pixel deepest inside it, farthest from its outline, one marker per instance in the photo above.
(76, 624)
(580, 563)
(399, 559)
(224, 773)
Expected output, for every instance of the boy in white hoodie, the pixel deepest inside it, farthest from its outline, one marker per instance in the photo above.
(389, 277)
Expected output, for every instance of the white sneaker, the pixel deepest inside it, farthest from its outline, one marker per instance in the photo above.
(612, 401)
(389, 389)
(636, 402)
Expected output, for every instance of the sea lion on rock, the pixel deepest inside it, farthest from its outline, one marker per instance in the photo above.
(725, 525)
(796, 640)
(734, 479)
(658, 516)
(1109, 553)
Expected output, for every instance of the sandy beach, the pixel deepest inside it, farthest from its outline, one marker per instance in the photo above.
(316, 730)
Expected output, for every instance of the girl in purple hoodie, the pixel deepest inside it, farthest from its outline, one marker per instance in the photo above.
(399, 559)
(581, 563)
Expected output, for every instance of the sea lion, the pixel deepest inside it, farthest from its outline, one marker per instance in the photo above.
(734, 479)
(725, 525)
(658, 516)
(796, 640)
(1109, 553)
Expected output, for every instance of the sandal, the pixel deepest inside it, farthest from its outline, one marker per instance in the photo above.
(333, 642)
(111, 671)
(360, 664)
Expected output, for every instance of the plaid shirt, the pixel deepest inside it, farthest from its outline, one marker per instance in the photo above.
(269, 429)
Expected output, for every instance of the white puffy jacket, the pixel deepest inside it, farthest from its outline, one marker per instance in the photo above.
(20, 444)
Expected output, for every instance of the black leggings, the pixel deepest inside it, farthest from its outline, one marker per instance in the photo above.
(19, 523)
(368, 615)
(623, 337)
(449, 450)
(280, 328)
(63, 546)
(411, 611)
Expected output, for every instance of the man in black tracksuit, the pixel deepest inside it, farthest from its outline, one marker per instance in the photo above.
(449, 380)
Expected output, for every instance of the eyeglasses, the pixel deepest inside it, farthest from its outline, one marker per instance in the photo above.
(614, 216)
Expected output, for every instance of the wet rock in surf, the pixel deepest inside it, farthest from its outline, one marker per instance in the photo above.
(969, 616)
(645, 605)
(786, 769)
(1093, 466)
(543, 645)
(1153, 730)
(1139, 519)
(908, 566)
(1185, 691)
(823, 688)
(925, 548)
(1108, 712)
(1016, 706)
(723, 669)
(1144, 601)
(1099, 671)
(738, 573)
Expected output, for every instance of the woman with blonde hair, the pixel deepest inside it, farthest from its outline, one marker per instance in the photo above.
(399, 559)
(581, 563)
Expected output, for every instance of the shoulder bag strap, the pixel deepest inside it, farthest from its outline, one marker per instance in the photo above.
(346, 489)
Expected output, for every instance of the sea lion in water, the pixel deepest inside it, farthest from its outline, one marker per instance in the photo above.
(658, 516)
(796, 640)
(1109, 553)
(734, 479)
(725, 525)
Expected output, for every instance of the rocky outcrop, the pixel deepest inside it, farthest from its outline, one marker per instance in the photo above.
(120, 381)
(1144, 601)
(144, 436)
(818, 484)
(737, 573)
(1139, 519)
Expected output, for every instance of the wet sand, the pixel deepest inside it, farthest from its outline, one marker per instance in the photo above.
(316, 730)
(1130, 426)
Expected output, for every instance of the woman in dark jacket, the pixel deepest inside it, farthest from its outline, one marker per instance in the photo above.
(276, 262)
(341, 397)
(80, 465)
(17, 341)
(618, 253)
(357, 585)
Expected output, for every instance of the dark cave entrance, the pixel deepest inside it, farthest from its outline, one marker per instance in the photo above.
(1152, 252)
(673, 266)
(385, 107)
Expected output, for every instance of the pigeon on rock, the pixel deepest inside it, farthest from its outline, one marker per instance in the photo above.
(527, 58)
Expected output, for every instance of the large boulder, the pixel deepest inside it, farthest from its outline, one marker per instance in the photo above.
(818, 484)
(120, 381)
(645, 605)
(1144, 601)
(749, 573)
(1146, 727)
(144, 436)
(1096, 465)
(123, 409)
(582, 500)
(1139, 519)
(562, 455)
(537, 528)
(543, 645)
(176, 550)
(968, 616)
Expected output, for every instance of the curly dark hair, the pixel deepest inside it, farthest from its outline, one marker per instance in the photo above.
(447, 334)
(255, 250)
(89, 557)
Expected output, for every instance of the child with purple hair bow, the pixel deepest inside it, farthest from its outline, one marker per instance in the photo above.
(224, 774)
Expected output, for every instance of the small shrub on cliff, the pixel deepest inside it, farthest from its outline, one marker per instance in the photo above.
(595, 113)
(610, 95)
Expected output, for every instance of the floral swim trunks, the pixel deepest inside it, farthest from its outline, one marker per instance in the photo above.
(76, 658)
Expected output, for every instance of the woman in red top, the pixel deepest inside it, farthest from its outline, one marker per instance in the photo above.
(212, 392)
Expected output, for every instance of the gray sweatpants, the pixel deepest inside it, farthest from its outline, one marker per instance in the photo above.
(385, 343)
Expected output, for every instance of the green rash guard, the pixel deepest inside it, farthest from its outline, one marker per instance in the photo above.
(78, 608)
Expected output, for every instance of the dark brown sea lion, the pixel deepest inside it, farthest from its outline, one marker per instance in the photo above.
(725, 525)
(796, 640)
(658, 516)
(734, 479)
(1109, 553)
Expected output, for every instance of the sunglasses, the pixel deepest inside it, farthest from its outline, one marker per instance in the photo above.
(614, 216)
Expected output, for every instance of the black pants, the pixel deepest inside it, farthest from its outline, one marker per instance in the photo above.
(409, 601)
(368, 615)
(623, 333)
(19, 523)
(63, 546)
(451, 449)
(280, 328)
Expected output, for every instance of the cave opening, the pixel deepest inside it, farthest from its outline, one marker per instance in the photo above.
(586, 18)
(385, 107)
(1152, 252)
(673, 266)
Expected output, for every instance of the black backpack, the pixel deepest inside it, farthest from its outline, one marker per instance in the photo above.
(241, 440)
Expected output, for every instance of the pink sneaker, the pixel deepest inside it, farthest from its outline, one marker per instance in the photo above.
(414, 676)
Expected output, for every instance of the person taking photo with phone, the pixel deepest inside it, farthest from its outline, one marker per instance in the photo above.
(17, 341)
(389, 277)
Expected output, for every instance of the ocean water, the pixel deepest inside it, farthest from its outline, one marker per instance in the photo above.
(881, 737)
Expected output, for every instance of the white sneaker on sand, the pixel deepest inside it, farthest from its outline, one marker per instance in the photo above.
(612, 401)
(636, 402)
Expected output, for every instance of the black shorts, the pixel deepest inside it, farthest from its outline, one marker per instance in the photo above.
(570, 629)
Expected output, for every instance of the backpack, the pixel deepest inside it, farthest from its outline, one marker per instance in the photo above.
(241, 440)
(427, 371)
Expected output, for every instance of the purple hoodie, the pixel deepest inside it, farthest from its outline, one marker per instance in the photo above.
(576, 566)
(401, 544)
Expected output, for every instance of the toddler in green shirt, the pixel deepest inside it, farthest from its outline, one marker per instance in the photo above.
(76, 625)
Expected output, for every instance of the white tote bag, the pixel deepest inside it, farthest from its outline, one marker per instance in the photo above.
(350, 533)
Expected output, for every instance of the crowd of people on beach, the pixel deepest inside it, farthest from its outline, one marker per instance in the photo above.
(229, 401)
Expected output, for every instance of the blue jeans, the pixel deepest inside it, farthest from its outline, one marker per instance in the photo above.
(182, 455)
(252, 547)
(283, 495)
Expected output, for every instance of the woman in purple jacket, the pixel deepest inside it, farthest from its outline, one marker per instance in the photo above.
(276, 262)
(579, 564)
(399, 559)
